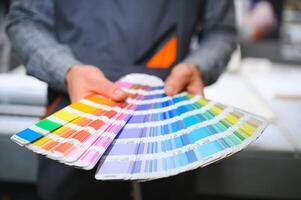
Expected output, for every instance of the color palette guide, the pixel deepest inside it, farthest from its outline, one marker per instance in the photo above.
(149, 136)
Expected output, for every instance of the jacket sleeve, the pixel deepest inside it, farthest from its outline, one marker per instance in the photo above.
(218, 39)
(30, 27)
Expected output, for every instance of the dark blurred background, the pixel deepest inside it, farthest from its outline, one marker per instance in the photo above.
(262, 77)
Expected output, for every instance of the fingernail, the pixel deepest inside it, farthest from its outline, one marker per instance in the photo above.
(118, 93)
(169, 90)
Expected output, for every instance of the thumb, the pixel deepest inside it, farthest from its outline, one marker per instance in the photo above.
(107, 88)
(177, 81)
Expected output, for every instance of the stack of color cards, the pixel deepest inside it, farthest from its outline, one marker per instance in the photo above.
(149, 136)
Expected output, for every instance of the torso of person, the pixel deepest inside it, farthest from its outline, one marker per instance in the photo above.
(120, 36)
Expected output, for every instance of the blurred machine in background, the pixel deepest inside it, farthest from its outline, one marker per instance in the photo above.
(270, 167)
(270, 29)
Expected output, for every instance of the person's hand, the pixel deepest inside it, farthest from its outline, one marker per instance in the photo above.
(84, 80)
(184, 76)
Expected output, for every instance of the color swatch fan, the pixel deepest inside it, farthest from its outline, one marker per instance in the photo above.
(149, 136)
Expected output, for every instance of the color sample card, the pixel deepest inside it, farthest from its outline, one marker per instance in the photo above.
(149, 136)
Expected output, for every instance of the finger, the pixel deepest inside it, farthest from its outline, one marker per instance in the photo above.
(196, 87)
(177, 81)
(105, 87)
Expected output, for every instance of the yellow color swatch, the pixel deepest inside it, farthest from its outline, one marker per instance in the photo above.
(216, 109)
(247, 128)
(60, 130)
(83, 107)
(40, 142)
(203, 102)
(65, 115)
(232, 119)
(100, 100)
